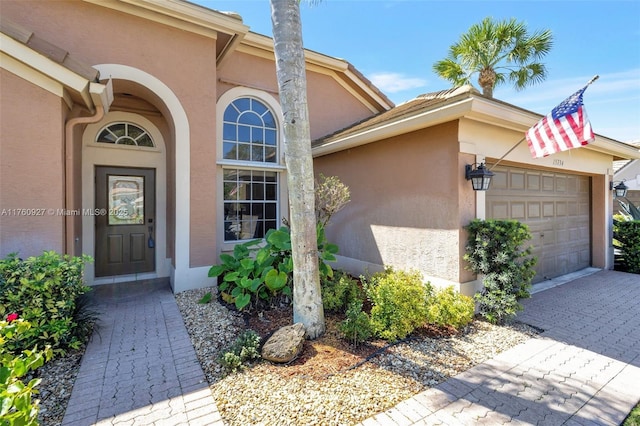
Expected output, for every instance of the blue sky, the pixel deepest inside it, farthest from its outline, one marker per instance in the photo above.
(395, 43)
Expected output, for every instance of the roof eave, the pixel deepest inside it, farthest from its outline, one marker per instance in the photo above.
(471, 106)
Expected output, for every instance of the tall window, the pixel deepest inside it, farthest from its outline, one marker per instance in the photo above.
(251, 184)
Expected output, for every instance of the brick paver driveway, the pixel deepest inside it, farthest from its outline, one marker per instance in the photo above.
(584, 369)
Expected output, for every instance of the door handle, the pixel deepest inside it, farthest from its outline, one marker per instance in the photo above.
(150, 242)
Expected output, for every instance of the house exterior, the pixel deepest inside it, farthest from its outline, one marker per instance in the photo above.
(629, 173)
(147, 134)
(411, 200)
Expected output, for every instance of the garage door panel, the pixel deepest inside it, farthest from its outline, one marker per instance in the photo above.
(555, 206)
(499, 180)
(561, 208)
(533, 181)
(517, 181)
(518, 210)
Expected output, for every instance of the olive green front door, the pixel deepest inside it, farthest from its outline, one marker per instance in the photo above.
(125, 221)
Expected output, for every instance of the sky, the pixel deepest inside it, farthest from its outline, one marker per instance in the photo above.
(395, 43)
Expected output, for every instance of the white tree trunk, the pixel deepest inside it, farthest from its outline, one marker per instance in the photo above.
(292, 84)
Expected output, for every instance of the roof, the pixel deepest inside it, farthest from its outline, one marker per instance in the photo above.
(50, 51)
(443, 106)
(420, 103)
(232, 34)
(620, 165)
(25, 54)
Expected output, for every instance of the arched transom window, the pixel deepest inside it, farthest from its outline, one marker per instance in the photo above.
(251, 178)
(125, 134)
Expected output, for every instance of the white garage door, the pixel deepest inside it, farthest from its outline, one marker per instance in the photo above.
(555, 206)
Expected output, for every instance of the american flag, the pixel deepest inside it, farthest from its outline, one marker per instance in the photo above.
(566, 127)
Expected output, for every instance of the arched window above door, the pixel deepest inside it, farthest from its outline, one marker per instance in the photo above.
(124, 133)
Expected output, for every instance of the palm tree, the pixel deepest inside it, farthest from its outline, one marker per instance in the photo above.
(497, 51)
(292, 85)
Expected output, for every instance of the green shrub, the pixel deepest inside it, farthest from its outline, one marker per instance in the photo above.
(17, 406)
(627, 239)
(339, 291)
(495, 250)
(357, 326)
(449, 308)
(45, 292)
(251, 274)
(243, 350)
(398, 302)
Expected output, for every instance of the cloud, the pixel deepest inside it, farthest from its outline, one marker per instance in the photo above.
(610, 88)
(393, 82)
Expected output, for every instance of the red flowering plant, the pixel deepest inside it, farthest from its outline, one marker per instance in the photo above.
(12, 317)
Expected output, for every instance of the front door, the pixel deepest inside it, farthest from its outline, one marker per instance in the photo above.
(125, 221)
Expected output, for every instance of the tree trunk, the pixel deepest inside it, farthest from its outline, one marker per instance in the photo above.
(292, 84)
(487, 81)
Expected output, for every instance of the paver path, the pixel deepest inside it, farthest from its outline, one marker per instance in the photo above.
(140, 367)
(583, 370)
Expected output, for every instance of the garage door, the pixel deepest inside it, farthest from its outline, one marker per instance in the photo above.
(555, 206)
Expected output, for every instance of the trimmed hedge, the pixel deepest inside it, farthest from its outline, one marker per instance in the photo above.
(45, 291)
(627, 236)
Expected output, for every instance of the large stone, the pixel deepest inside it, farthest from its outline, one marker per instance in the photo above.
(285, 344)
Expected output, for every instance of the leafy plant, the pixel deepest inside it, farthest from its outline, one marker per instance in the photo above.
(45, 291)
(339, 291)
(627, 239)
(627, 209)
(357, 326)
(495, 250)
(17, 406)
(252, 274)
(399, 302)
(244, 349)
(450, 308)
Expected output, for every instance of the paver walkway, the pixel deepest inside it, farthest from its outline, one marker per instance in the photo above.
(140, 367)
(583, 370)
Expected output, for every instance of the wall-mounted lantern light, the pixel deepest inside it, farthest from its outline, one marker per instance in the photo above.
(480, 176)
(619, 190)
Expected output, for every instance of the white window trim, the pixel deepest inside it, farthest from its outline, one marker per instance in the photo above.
(283, 206)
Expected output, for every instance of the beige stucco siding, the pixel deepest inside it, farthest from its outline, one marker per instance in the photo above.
(183, 61)
(404, 210)
(331, 106)
(31, 169)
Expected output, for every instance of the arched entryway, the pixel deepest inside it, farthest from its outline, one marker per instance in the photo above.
(124, 165)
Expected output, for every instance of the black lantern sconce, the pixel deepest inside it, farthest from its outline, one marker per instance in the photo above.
(619, 190)
(480, 176)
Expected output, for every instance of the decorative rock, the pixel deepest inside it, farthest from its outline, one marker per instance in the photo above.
(285, 344)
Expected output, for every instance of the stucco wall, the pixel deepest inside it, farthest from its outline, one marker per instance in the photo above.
(183, 61)
(31, 168)
(404, 209)
(331, 106)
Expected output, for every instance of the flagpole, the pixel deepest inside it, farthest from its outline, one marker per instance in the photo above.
(594, 78)
(508, 152)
